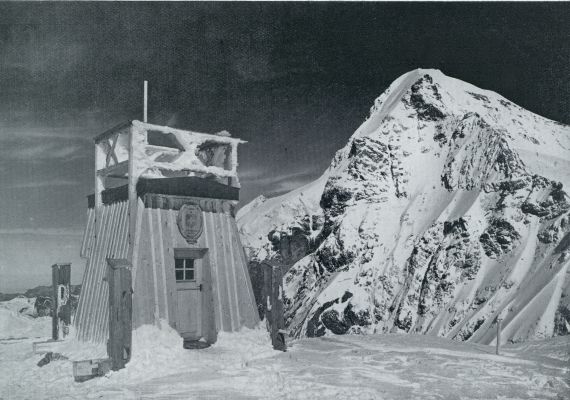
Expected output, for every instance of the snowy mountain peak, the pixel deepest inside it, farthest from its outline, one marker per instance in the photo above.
(426, 121)
(445, 207)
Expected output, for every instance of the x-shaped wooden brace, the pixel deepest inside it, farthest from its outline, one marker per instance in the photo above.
(111, 144)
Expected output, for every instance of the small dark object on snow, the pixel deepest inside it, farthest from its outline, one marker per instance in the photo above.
(43, 306)
(195, 344)
(49, 357)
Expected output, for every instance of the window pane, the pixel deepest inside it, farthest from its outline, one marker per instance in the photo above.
(189, 274)
(189, 263)
(178, 263)
(179, 275)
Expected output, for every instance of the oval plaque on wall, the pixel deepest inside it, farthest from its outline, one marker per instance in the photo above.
(190, 222)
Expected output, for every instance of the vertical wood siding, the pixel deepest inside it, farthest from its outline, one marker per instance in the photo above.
(88, 235)
(227, 297)
(110, 241)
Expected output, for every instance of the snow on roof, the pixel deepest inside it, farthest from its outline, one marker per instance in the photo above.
(155, 151)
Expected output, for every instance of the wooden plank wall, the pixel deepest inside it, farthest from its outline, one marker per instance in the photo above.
(228, 297)
(227, 300)
(109, 241)
(88, 234)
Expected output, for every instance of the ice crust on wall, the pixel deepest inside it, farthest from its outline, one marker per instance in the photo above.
(446, 207)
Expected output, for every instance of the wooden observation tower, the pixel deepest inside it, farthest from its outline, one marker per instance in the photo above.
(161, 227)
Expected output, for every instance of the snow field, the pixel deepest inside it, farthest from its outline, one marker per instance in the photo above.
(243, 366)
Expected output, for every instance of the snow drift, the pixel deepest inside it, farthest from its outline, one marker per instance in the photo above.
(18, 319)
(446, 207)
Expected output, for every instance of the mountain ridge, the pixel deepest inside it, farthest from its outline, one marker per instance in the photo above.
(420, 222)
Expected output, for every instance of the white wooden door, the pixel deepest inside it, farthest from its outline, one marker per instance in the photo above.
(188, 273)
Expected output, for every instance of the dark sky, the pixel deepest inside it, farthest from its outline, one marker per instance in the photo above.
(293, 79)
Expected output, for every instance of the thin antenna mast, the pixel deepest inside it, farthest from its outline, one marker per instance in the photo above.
(145, 101)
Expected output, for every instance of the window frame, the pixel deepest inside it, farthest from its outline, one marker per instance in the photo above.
(187, 266)
(191, 254)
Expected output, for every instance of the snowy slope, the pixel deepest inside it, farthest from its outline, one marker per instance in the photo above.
(242, 365)
(446, 207)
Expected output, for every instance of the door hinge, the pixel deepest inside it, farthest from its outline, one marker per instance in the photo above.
(200, 287)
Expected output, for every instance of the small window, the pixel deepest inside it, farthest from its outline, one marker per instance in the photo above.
(184, 269)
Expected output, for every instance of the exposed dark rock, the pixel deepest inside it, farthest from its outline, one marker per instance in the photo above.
(563, 245)
(457, 225)
(445, 181)
(555, 205)
(499, 238)
(334, 199)
(292, 245)
(341, 324)
(480, 97)
(470, 329)
(373, 163)
(435, 286)
(43, 306)
(550, 234)
(332, 260)
(507, 161)
(331, 321)
(440, 138)
(562, 320)
(510, 186)
(426, 111)
(315, 327)
(478, 300)
(490, 157)
(534, 209)
(445, 256)
(362, 318)
(505, 103)
(404, 323)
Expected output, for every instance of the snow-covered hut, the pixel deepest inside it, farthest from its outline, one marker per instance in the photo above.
(164, 205)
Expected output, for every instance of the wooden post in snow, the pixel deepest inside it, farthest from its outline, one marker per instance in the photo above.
(278, 323)
(272, 292)
(120, 312)
(499, 320)
(61, 306)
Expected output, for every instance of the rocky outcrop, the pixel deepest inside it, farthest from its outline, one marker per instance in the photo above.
(446, 207)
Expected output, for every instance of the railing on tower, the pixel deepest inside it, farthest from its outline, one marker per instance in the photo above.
(135, 150)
